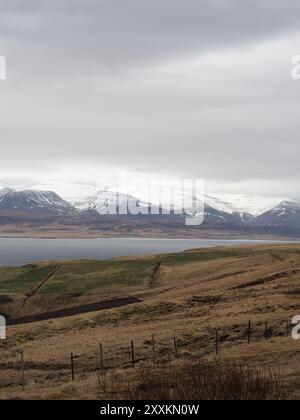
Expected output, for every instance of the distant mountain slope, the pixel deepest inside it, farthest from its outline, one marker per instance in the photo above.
(241, 210)
(242, 203)
(106, 202)
(214, 213)
(4, 191)
(98, 213)
(217, 217)
(36, 202)
(286, 214)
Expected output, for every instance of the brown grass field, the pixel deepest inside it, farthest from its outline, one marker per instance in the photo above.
(189, 296)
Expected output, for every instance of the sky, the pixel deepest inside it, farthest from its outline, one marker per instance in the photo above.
(165, 88)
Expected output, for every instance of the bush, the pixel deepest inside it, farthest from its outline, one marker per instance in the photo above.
(201, 381)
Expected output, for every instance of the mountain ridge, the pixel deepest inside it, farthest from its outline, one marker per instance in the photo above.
(95, 212)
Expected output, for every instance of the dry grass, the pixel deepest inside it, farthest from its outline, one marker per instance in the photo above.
(189, 301)
(195, 381)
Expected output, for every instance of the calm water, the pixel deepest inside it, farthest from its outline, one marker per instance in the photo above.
(16, 251)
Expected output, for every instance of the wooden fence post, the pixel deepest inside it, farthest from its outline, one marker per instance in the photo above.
(153, 348)
(266, 330)
(132, 354)
(249, 332)
(72, 367)
(175, 347)
(101, 359)
(23, 381)
(217, 343)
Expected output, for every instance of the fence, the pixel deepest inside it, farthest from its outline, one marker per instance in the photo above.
(251, 333)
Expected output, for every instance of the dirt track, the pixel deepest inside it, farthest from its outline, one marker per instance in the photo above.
(77, 310)
(39, 286)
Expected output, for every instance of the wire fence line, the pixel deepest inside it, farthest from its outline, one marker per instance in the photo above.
(105, 359)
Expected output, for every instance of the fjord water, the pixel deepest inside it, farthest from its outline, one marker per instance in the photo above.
(19, 251)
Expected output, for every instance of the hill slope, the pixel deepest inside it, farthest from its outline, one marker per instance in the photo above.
(193, 294)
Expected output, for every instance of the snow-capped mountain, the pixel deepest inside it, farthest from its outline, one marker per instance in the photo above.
(221, 211)
(110, 202)
(256, 211)
(244, 207)
(83, 197)
(241, 203)
(215, 210)
(70, 192)
(286, 213)
(37, 202)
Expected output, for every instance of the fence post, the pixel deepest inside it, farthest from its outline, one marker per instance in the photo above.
(23, 381)
(266, 330)
(132, 354)
(217, 343)
(175, 347)
(249, 332)
(153, 348)
(101, 359)
(72, 367)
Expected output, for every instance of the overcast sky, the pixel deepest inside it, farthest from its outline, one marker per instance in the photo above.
(185, 88)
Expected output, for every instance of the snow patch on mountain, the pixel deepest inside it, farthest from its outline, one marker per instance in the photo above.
(3, 191)
(110, 202)
(34, 201)
(241, 203)
(73, 193)
(85, 204)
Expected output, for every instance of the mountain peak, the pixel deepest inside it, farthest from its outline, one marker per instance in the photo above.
(46, 202)
(254, 205)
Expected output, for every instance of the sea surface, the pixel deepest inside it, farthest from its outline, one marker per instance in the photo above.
(19, 251)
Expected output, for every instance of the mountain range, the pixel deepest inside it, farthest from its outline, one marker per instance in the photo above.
(240, 214)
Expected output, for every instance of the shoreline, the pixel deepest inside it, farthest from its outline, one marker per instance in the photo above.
(119, 248)
(157, 238)
(214, 236)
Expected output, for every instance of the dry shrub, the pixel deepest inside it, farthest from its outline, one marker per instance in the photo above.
(201, 381)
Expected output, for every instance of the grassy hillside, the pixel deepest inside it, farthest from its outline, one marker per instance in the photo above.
(194, 294)
(23, 280)
(78, 277)
(82, 276)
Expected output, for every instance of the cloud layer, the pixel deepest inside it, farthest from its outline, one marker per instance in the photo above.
(187, 88)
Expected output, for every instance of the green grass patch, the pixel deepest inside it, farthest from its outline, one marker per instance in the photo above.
(87, 275)
(189, 257)
(26, 280)
(81, 277)
(7, 274)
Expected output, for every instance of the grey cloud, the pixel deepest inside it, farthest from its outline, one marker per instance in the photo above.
(83, 88)
(120, 33)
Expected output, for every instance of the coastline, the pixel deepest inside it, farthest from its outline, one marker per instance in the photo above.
(203, 235)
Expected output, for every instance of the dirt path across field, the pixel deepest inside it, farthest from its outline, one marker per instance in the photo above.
(38, 287)
(154, 278)
(77, 310)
